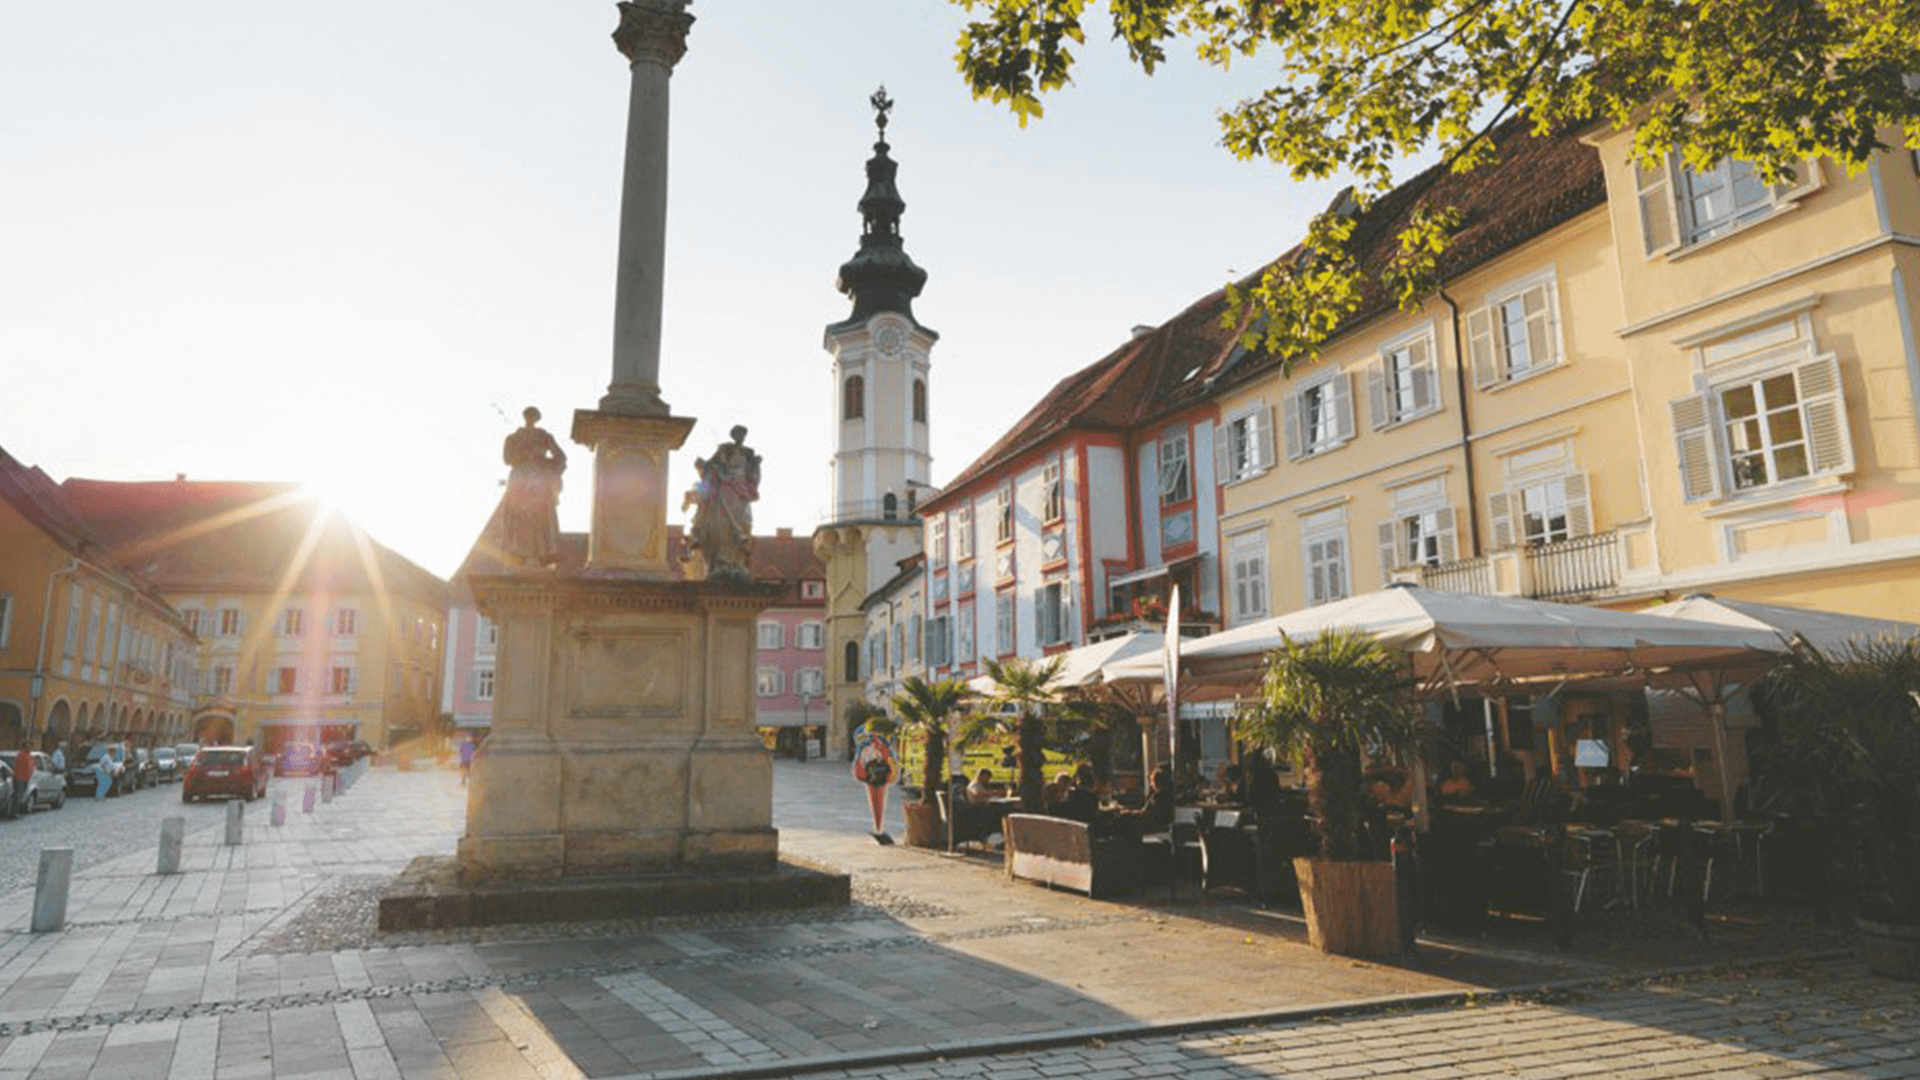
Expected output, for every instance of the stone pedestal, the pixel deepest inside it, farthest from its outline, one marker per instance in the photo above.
(629, 488)
(623, 736)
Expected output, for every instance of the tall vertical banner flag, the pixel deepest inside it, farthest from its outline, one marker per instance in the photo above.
(1172, 681)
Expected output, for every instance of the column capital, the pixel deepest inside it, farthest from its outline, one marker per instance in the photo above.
(653, 30)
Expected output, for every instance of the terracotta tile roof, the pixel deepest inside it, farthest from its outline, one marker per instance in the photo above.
(1540, 182)
(240, 536)
(38, 499)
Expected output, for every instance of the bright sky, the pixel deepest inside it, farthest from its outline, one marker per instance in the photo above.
(345, 243)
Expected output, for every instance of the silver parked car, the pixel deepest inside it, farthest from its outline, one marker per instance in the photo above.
(46, 789)
(167, 764)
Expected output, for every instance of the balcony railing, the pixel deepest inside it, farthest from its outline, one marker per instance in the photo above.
(1575, 568)
(1461, 575)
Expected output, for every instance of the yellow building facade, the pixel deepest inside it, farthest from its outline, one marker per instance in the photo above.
(1633, 384)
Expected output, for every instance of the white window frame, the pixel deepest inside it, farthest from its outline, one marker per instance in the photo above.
(810, 635)
(346, 622)
(337, 684)
(1670, 221)
(963, 533)
(1404, 383)
(1327, 570)
(483, 684)
(1173, 471)
(810, 682)
(937, 541)
(1247, 576)
(770, 635)
(1318, 417)
(1053, 497)
(486, 636)
(1243, 447)
(293, 622)
(1004, 639)
(231, 622)
(223, 678)
(1700, 424)
(769, 682)
(813, 590)
(1567, 492)
(966, 647)
(1052, 610)
(1003, 513)
(1418, 534)
(1530, 305)
(939, 643)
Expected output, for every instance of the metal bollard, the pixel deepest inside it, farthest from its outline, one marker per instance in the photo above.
(306, 799)
(279, 808)
(50, 889)
(173, 832)
(236, 822)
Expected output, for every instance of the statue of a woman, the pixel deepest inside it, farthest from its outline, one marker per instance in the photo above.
(530, 516)
(722, 530)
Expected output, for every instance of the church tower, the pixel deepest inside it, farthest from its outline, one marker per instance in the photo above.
(881, 462)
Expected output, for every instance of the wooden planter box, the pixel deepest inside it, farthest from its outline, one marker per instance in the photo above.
(1891, 949)
(925, 828)
(1351, 907)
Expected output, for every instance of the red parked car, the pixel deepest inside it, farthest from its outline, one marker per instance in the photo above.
(235, 771)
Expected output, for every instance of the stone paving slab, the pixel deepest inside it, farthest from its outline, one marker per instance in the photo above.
(263, 960)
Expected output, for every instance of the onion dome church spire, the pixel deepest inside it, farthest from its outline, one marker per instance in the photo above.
(880, 276)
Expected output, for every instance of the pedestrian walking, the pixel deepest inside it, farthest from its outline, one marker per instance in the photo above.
(466, 759)
(60, 759)
(103, 774)
(873, 766)
(22, 775)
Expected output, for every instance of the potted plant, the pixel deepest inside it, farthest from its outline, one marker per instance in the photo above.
(1335, 702)
(925, 710)
(1847, 763)
(1032, 701)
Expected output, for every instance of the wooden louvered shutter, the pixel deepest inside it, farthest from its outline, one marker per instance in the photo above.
(1579, 507)
(1290, 420)
(1377, 395)
(1444, 525)
(1693, 444)
(1823, 401)
(1486, 365)
(1262, 421)
(1543, 336)
(1342, 386)
(1223, 452)
(1659, 223)
(1500, 518)
(1420, 364)
(1388, 534)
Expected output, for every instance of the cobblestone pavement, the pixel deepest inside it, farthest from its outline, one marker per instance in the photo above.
(263, 960)
(1829, 1020)
(96, 830)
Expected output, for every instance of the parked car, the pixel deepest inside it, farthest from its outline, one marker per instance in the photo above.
(112, 756)
(302, 759)
(146, 773)
(47, 790)
(6, 790)
(186, 750)
(167, 763)
(235, 771)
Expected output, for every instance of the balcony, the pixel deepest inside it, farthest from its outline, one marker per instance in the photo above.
(1578, 568)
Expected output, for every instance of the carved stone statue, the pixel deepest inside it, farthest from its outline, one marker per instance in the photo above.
(723, 499)
(530, 517)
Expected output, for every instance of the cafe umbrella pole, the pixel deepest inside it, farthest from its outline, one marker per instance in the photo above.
(1171, 677)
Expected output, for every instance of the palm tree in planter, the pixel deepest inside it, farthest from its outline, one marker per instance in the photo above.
(1336, 701)
(1027, 691)
(925, 711)
(1848, 763)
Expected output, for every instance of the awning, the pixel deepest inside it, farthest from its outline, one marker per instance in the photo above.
(1157, 570)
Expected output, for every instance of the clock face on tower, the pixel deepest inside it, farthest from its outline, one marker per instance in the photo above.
(889, 339)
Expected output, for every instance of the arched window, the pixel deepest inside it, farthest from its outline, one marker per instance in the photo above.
(853, 661)
(890, 506)
(853, 398)
(919, 401)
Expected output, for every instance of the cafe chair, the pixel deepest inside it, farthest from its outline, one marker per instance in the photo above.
(1226, 853)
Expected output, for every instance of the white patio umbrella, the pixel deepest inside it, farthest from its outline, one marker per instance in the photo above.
(1829, 631)
(1087, 666)
(1458, 639)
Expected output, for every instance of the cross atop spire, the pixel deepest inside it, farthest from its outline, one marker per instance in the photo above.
(882, 105)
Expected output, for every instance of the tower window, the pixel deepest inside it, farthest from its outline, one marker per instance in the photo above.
(890, 506)
(919, 401)
(852, 661)
(853, 398)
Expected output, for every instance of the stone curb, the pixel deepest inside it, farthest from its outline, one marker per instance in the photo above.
(1437, 999)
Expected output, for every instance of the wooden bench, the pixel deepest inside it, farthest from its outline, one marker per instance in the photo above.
(1062, 853)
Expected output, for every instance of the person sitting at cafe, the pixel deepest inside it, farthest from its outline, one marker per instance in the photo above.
(983, 789)
(1081, 800)
(1391, 788)
(1262, 786)
(1230, 784)
(1156, 814)
(1055, 792)
(1458, 786)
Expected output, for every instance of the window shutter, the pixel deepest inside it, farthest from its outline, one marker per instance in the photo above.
(1541, 334)
(1421, 358)
(1693, 439)
(1486, 367)
(1262, 421)
(1500, 518)
(1659, 229)
(1823, 399)
(1222, 447)
(1579, 508)
(1377, 395)
(1443, 524)
(1343, 404)
(1806, 179)
(1388, 535)
(1066, 615)
(1290, 420)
